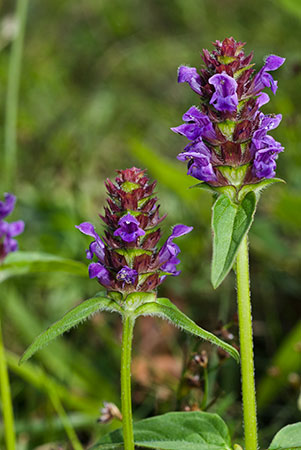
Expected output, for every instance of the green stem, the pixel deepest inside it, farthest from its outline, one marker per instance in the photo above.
(11, 108)
(246, 346)
(7, 408)
(126, 401)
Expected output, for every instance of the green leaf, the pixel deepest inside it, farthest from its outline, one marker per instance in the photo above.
(77, 315)
(21, 263)
(230, 223)
(257, 187)
(289, 438)
(164, 308)
(175, 431)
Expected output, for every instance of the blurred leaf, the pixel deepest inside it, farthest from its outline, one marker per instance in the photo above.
(230, 223)
(77, 315)
(175, 431)
(289, 438)
(165, 309)
(285, 361)
(21, 263)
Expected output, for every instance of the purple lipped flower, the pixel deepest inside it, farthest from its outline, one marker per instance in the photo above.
(198, 125)
(7, 206)
(198, 156)
(225, 96)
(8, 230)
(170, 250)
(97, 270)
(267, 123)
(190, 75)
(129, 229)
(264, 78)
(127, 275)
(265, 163)
(96, 247)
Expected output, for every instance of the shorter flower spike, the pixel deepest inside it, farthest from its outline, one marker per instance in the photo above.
(228, 131)
(8, 230)
(128, 258)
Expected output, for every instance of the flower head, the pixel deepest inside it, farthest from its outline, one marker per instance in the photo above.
(229, 130)
(127, 256)
(8, 230)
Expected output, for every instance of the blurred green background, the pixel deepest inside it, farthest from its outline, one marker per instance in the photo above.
(99, 92)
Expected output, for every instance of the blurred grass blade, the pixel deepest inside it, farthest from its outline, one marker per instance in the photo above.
(55, 400)
(77, 315)
(285, 361)
(38, 378)
(21, 263)
(6, 401)
(11, 108)
(165, 309)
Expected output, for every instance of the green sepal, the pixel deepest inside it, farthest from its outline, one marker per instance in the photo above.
(165, 309)
(289, 438)
(230, 191)
(72, 318)
(136, 299)
(194, 430)
(22, 263)
(257, 187)
(227, 127)
(230, 223)
(241, 71)
(235, 175)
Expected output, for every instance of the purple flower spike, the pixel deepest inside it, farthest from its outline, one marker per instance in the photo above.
(263, 78)
(129, 229)
(127, 275)
(97, 270)
(96, 247)
(170, 250)
(7, 206)
(198, 125)
(225, 96)
(189, 75)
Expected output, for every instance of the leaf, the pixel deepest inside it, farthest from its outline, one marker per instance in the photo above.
(230, 223)
(288, 438)
(175, 431)
(21, 263)
(164, 308)
(257, 187)
(69, 320)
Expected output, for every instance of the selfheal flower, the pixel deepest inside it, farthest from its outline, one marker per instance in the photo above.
(127, 275)
(127, 256)
(189, 75)
(8, 230)
(7, 206)
(225, 96)
(199, 161)
(96, 247)
(198, 125)
(129, 229)
(264, 78)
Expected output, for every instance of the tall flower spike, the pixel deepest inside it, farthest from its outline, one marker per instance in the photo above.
(127, 257)
(8, 230)
(229, 131)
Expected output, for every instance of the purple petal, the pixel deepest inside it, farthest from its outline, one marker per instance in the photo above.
(273, 62)
(97, 270)
(129, 229)
(10, 245)
(7, 206)
(225, 96)
(180, 230)
(87, 228)
(189, 75)
(127, 275)
(15, 228)
(262, 99)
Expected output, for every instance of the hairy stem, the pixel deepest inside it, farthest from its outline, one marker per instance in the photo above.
(126, 400)
(246, 346)
(7, 408)
(11, 108)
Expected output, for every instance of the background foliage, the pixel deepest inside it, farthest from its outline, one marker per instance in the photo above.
(99, 92)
